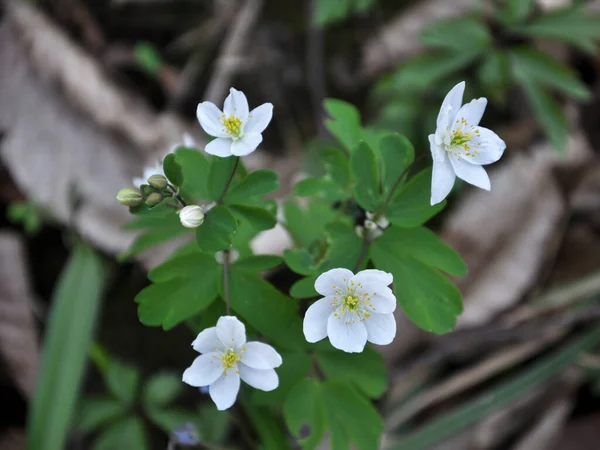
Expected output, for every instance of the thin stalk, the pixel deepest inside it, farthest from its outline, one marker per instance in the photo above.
(177, 196)
(226, 188)
(363, 251)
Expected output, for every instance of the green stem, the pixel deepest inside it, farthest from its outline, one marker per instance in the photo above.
(226, 188)
(177, 196)
(395, 187)
(363, 251)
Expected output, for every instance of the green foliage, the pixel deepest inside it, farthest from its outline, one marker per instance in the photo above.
(123, 382)
(344, 123)
(26, 213)
(335, 407)
(75, 305)
(216, 233)
(147, 57)
(415, 257)
(457, 34)
(126, 433)
(330, 11)
(97, 412)
(363, 165)
(173, 170)
(218, 176)
(195, 172)
(259, 182)
(177, 292)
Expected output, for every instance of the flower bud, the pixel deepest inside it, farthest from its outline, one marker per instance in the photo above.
(157, 182)
(130, 197)
(191, 216)
(146, 190)
(154, 199)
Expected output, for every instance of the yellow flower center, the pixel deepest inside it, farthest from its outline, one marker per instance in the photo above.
(461, 138)
(229, 359)
(351, 302)
(232, 124)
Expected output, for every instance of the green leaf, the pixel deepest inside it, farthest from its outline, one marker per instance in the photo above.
(538, 67)
(216, 233)
(337, 166)
(411, 206)
(266, 423)
(493, 74)
(258, 303)
(457, 34)
(218, 175)
(414, 256)
(304, 406)
(499, 396)
(353, 415)
(259, 182)
(68, 336)
(257, 217)
(300, 261)
(307, 224)
(294, 368)
(128, 433)
(161, 389)
(420, 72)
(323, 187)
(364, 169)
(195, 172)
(160, 216)
(344, 247)
(330, 11)
(147, 58)
(123, 381)
(546, 110)
(97, 412)
(518, 10)
(183, 286)
(397, 154)
(345, 122)
(577, 26)
(304, 288)
(365, 371)
(173, 170)
(258, 263)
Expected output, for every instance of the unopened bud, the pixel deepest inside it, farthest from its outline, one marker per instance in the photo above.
(154, 199)
(157, 182)
(130, 197)
(146, 190)
(191, 216)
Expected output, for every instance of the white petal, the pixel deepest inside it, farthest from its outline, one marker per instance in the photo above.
(265, 380)
(347, 333)
(381, 328)
(450, 106)
(471, 173)
(333, 280)
(231, 332)
(246, 145)
(259, 118)
(260, 356)
(209, 117)
(219, 147)
(224, 391)
(471, 112)
(442, 179)
(373, 276)
(437, 152)
(236, 104)
(380, 296)
(488, 144)
(207, 341)
(204, 370)
(315, 319)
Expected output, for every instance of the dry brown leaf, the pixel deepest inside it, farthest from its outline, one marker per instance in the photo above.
(18, 335)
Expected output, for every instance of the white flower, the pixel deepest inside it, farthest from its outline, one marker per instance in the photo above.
(356, 309)
(226, 357)
(191, 216)
(460, 146)
(237, 131)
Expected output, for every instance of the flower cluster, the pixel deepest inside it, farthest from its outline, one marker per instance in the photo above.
(354, 308)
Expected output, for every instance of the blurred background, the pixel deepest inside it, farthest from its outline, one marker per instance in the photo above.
(92, 91)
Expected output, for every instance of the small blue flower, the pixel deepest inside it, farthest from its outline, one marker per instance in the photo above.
(186, 435)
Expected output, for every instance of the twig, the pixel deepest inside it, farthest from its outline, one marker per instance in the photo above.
(226, 188)
(228, 61)
(176, 195)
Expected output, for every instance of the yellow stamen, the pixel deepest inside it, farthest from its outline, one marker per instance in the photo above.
(232, 124)
(229, 359)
